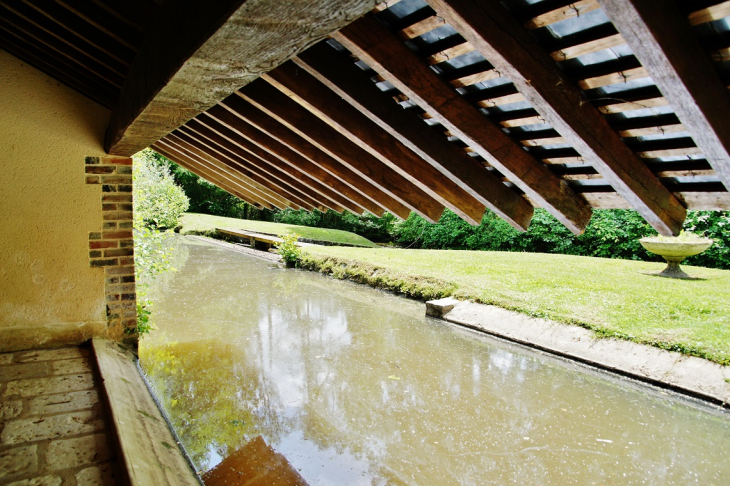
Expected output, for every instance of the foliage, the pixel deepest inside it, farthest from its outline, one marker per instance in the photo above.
(158, 202)
(158, 205)
(369, 226)
(615, 298)
(288, 249)
(611, 234)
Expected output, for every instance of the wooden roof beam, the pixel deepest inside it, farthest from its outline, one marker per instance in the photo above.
(274, 183)
(308, 126)
(225, 137)
(374, 44)
(201, 52)
(339, 73)
(319, 100)
(188, 162)
(217, 163)
(662, 39)
(510, 48)
(300, 163)
(263, 122)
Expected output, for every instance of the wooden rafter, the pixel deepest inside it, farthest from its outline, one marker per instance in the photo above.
(210, 172)
(349, 82)
(662, 39)
(199, 53)
(279, 132)
(203, 150)
(281, 185)
(298, 162)
(226, 137)
(511, 49)
(303, 123)
(369, 40)
(319, 100)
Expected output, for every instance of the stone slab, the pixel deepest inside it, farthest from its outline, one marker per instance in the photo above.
(49, 386)
(51, 354)
(150, 454)
(687, 374)
(95, 476)
(23, 371)
(40, 428)
(51, 335)
(440, 307)
(73, 453)
(10, 409)
(6, 358)
(17, 462)
(63, 402)
(71, 366)
(41, 481)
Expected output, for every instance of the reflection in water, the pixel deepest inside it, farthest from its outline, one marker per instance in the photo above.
(356, 386)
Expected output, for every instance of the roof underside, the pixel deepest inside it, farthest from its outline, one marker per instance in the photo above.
(423, 105)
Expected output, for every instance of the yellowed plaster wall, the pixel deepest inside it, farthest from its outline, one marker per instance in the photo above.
(46, 209)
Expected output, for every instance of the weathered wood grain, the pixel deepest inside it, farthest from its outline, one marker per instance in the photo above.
(319, 100)
(349, 82)
(663, 41)
(511, 49)
(306, 125)
(200, 52)
(374, 44)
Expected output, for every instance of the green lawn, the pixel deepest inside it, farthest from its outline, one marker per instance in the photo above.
(206, 224)
(612, 297)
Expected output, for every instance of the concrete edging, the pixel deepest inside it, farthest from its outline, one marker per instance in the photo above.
(689, 375)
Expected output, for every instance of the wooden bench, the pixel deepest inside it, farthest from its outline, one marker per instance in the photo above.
(253, 238)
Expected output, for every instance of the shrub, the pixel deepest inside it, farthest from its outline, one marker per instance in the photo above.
(158, 201)
(289, 250)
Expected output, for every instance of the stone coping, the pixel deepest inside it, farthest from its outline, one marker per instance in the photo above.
(689, 375)
(148, 450)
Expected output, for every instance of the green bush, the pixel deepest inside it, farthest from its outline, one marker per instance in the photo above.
(158, 201)
(289, 250)
(612, 233)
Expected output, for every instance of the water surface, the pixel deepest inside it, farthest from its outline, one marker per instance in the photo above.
(356, 386)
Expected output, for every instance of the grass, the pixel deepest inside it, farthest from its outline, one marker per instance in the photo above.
(205, 224)
(611, 297)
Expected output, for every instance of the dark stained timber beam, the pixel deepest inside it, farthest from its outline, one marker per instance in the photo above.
(220, 115)
(198, 53)
(263, 177)
(279, 132)
(242, 180)
(338, 72)
(662, 39)
(319, 100)
(308, 126)
(225, 137)
(375, 45)
(216, 164)
(509, 47)
(189, 163)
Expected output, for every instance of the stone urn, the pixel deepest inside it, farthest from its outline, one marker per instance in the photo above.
(674, 250)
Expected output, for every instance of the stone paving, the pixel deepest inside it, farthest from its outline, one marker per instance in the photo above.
(52, 430)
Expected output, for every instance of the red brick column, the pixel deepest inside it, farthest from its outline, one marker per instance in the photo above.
(113, 248)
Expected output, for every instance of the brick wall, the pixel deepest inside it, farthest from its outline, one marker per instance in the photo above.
(112, 248)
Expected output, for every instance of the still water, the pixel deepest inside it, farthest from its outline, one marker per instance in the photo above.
(355, 386)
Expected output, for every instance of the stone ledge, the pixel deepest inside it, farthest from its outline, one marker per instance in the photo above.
(52, 335)
(689, 375)
(148, 451)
